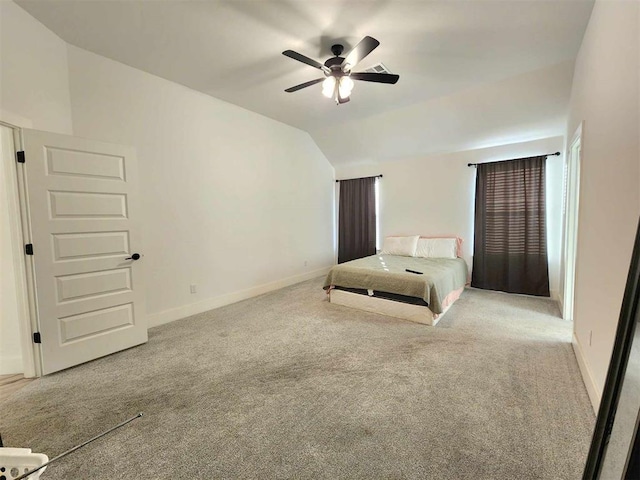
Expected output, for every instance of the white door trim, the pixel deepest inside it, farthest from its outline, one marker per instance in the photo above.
(23, 264)
(571, 222)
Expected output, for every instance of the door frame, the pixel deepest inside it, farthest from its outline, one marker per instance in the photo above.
(571, 222)
(20, 232)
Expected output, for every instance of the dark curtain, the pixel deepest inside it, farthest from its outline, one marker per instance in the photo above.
(357, 219)
(510, 244)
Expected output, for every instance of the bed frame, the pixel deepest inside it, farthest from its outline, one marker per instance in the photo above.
(391, 308)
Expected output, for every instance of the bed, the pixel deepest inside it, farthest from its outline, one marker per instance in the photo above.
(381, 283)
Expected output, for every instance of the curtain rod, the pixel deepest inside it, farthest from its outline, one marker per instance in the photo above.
(375, 176)
(521, 158)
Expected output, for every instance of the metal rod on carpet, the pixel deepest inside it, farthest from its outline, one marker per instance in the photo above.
(64, 454)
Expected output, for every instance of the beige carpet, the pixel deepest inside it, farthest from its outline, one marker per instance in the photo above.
(287, 385)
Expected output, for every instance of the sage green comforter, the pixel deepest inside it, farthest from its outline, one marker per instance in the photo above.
(386, 273)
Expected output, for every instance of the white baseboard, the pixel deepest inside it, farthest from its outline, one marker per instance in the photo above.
(10, 364)
(587, 378)
(166, 316)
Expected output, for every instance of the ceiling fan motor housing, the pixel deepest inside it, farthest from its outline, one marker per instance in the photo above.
(337, 49)
(334, 63)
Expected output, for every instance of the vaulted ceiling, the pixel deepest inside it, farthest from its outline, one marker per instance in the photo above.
(457, 54)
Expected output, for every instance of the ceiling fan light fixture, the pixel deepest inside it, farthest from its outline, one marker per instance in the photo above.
(328, 86)
(345, 87)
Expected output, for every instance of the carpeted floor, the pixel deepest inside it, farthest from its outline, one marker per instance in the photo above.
(287, 385)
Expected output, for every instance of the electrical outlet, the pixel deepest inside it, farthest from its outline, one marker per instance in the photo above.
(590, 336)
(193, 288)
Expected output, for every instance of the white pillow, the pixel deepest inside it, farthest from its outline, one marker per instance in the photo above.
(405, 246)
(437, 248)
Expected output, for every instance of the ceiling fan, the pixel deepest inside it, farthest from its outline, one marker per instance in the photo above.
(338, 77)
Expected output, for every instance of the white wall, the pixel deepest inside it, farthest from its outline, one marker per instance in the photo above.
(605, 96)
(518, 109)
(435, 194)
(34, 78)
(232, 200)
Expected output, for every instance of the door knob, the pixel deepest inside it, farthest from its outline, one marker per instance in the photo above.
(135, 256)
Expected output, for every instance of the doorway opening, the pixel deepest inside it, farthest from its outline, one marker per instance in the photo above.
(15, 352)
(572, 194)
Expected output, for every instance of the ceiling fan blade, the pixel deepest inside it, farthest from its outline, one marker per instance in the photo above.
(304, 85)
(376, 77)
(361, 50)
(309, 61)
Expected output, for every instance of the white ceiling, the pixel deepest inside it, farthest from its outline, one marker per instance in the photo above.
(231, 49)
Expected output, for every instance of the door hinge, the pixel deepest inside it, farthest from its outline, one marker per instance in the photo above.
(28, 249)
(37, 338)
(20, 157)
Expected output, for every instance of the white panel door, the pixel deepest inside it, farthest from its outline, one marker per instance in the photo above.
(83, 210)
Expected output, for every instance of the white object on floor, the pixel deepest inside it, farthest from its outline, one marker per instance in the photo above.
(17, 461)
